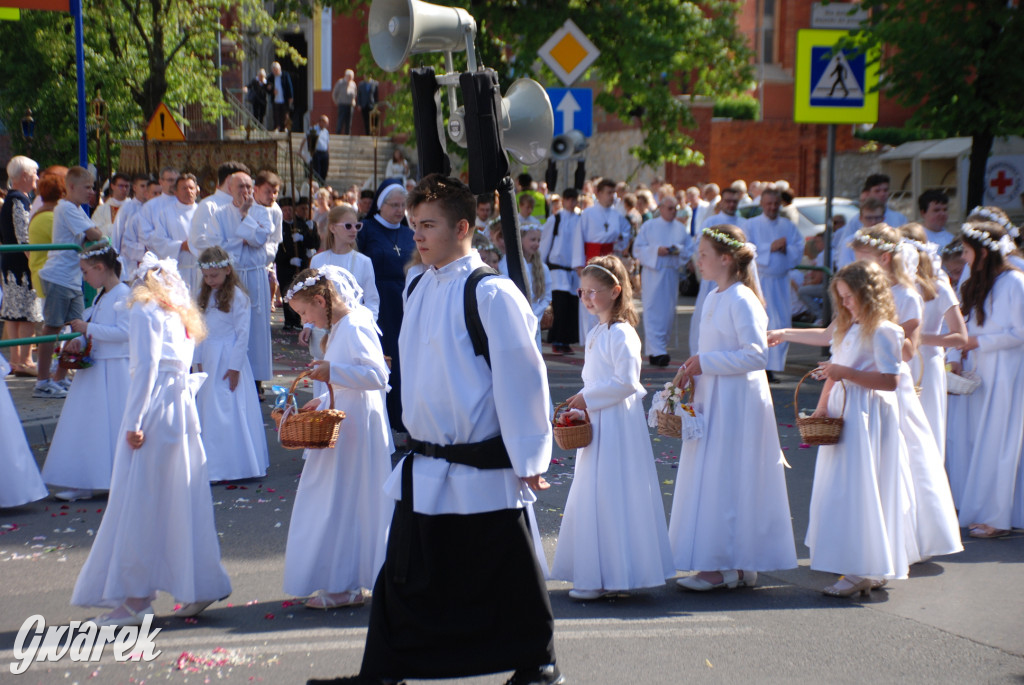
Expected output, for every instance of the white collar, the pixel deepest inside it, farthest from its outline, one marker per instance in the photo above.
(462, 266)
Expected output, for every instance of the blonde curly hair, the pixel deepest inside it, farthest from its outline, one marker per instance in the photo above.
(152, 289)
(870, 287)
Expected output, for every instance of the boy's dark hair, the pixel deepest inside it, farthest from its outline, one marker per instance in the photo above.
(366, 193)
(456, 200)
(119, 176)
(267, 177)
(228, 168)
(525, 181)
(930, 196)
(485, 199)
(875, 180)
(605, 183)
(285, 201)
(570, 194)
(140, 177)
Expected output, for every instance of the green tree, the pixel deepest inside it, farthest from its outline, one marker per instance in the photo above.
(957, 64)
(650, 52)
(141, 53)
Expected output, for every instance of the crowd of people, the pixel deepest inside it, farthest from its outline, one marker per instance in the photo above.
(415, 336)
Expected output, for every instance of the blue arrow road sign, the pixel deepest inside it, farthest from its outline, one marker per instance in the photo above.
(573, 109)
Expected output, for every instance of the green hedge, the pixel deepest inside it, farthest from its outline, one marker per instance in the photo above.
(744, 107)
(895, 136)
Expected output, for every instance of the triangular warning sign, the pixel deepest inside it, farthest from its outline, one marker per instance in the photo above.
(162, 125)
(837, 82)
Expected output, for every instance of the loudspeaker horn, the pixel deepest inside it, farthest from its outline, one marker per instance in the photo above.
(568, 145)
(399, 28)
(527, 121)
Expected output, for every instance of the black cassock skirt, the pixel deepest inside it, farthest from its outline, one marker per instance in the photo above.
(473, 600)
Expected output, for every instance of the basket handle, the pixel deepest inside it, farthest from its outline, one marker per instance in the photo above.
(306, 374)
(566, 404)
(796, 395)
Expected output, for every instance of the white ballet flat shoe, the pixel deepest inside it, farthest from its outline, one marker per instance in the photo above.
(586, 595)
(195, 608)
(730, 581)
(134, 618)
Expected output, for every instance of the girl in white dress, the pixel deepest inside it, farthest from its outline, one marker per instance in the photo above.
(338, 532)
(343, 226)
(942, 326)
(229, 410)
(730, 512)
(933, 518)
(21, 482)
(992, 299)
(538, 276)
(158, 531)
(95, 404)
(613, 536)
(857, 523)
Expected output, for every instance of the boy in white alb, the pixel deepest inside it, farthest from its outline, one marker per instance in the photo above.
(479, 439)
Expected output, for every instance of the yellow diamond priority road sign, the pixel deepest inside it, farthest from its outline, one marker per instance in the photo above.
(568, 52)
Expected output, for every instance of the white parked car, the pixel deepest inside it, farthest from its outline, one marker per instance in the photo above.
(811, 213)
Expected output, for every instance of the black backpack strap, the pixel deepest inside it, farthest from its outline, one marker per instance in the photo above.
(477, 334)
(412, 285)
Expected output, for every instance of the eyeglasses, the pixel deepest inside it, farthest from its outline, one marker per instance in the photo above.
(589, 294)
(395, 205)
(350, 226)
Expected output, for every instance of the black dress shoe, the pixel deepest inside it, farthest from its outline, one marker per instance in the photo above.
(545, 675)
(352, 680)
(771, 377)
(662, 360)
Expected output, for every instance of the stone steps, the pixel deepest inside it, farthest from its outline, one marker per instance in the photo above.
(351, 160)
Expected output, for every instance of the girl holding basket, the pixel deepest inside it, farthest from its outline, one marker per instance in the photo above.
(613, 536)
(730, 513)
(336, 540)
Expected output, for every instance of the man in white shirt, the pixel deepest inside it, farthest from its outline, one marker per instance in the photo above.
(244, 229)
(728, 205)
(170, 239)
(152, 212)
(344, 96)
(199, 235)
(698, 211)
(140, 194)
(480, 438)
(605, 231)
(780, 247)
(876, 186)
(321, 150)
(561, 248)
(106, 213)
(663, 246)
(934, 206)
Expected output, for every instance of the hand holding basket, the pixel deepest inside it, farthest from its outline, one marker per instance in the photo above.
(572, 437)
(818, 430)
(307, 429)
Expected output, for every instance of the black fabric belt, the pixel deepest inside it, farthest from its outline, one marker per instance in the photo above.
(486, 454)
(560, 267)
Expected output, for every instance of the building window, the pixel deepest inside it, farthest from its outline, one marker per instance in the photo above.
(768, 32)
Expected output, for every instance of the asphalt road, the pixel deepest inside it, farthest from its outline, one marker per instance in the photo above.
(957, 619)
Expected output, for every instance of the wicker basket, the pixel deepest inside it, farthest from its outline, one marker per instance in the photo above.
(573, 437)
(75, 360)
(547, 319)
(313, 429)
(817, 431)
(670, 425)
(965, 384)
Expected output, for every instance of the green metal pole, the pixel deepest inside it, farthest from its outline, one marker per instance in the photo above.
(15, 342)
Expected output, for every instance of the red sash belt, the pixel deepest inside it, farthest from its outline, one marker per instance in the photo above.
(592, 250)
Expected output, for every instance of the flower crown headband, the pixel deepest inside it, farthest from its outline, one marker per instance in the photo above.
(1003, 246)
(723, 238)
(988, 215)
(89, 254)
(298, 287)
(863, 238)
(217, 265)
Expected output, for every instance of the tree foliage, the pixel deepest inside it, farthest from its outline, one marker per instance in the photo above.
(141, 53)
(650, 52)
(958, 64)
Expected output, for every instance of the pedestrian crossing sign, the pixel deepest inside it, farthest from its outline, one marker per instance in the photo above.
(833, 86)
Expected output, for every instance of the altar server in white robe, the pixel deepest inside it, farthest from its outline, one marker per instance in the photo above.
(338, 531)
(663, 246)
(170, 236)
(780, 247)
(128, 240)
(229, 410)
(727, 208)
(990, 504)
(128, 209)
(480, 438)
(106, 214)
(158, 531)
(730, 512)
(93, 410)
(244, 229)
(202, 234)
(613, 536)
(151, 216)
(561, 248)
(605, 231)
